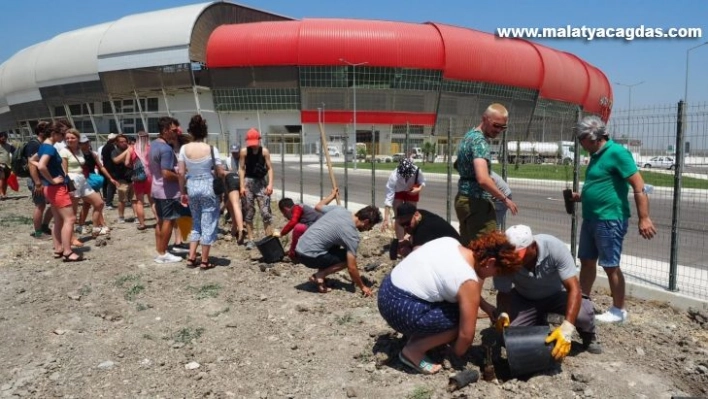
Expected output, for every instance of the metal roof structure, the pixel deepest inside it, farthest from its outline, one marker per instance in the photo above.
(462, 54)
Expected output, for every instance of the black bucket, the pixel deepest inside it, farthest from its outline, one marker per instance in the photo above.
(568, 199)
(271, 249)
(527, 351)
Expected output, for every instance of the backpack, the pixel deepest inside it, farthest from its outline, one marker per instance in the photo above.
(20, 163)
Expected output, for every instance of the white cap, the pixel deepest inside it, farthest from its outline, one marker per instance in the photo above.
(83, 139)
(520, 237)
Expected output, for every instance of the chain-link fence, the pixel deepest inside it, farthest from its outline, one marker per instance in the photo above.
(539, 157)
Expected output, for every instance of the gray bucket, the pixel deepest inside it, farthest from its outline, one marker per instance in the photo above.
(527, 351)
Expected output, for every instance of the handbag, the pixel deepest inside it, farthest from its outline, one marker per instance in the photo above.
(138, 174)
(218, 183)
(70, 186)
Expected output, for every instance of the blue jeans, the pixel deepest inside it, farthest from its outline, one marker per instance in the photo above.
(204, 206)
(602, 240)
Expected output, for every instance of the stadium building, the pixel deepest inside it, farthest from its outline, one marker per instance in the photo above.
(379, 83)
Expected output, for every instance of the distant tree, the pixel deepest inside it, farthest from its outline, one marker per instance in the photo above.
(428, 151)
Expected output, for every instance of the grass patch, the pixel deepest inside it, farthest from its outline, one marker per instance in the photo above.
(207, 291)
(85, 290)
(13, 220)
(187, 335)
(547, 172)
(120, 281)
(219, 312)
(141, 306)
(134, 291)
(344, 319)
(148, 336)
(421, 393)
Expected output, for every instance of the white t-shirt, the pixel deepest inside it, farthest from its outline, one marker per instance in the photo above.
(434, 272)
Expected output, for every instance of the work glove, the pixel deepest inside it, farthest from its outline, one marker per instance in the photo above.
(275, 234)
(502, 322)
(563, 336)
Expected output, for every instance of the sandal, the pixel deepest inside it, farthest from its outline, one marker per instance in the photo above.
(192, 263)
(205, 265)
(320, 282)
(68, 258)
(142, 227)
(58, 254)
(426, 366)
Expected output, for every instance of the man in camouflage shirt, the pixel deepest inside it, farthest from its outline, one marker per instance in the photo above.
(476, 189)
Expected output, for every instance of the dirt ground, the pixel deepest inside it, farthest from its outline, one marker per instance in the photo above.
(121, 326)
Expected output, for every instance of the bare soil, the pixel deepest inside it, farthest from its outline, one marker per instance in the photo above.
(121, 326)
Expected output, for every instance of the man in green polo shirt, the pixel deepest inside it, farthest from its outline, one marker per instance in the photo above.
(475, 189)
(606, 213)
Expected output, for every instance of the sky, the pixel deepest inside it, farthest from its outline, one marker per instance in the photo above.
(659, 63)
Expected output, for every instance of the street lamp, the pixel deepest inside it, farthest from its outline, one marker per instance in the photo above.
(629, 110)
(685, 91)
(353, 65)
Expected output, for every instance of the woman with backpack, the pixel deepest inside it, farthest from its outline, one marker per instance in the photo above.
(91, 165)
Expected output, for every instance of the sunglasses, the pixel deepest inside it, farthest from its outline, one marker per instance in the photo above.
(499, 126)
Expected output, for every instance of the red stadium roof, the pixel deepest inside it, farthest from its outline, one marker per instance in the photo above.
(462, 54)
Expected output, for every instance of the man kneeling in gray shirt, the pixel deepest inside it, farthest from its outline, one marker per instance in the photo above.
(330, 244)
(547, 283)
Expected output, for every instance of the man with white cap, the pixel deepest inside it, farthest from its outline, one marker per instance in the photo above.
(547, 283)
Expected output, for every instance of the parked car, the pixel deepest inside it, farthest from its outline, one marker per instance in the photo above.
(662, 162)
(333, 152)
(398, 156)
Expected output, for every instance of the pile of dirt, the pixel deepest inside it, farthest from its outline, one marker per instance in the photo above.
(121, 326)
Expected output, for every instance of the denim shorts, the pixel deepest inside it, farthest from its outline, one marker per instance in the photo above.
(602, 240)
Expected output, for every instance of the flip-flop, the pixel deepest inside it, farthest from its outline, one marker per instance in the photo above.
(424, 367)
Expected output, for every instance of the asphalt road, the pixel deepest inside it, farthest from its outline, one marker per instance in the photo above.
(540, 206)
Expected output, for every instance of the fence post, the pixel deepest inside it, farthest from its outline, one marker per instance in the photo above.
(448, 212)
(576, 187)
(302, 149)
(373, 166)
(282, 163)
(676, 207)
(346, 168)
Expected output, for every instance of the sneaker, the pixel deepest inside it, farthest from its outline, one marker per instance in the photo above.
(86, 230)
(180, 248)
(613, 315)
(250, 245)
(46, 230)
(167, 258)
(109, 207)
(121, 220)
(590, 343)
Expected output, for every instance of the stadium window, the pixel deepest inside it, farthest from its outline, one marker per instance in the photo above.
(59, 111)
(152, 105)
(76, 109)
